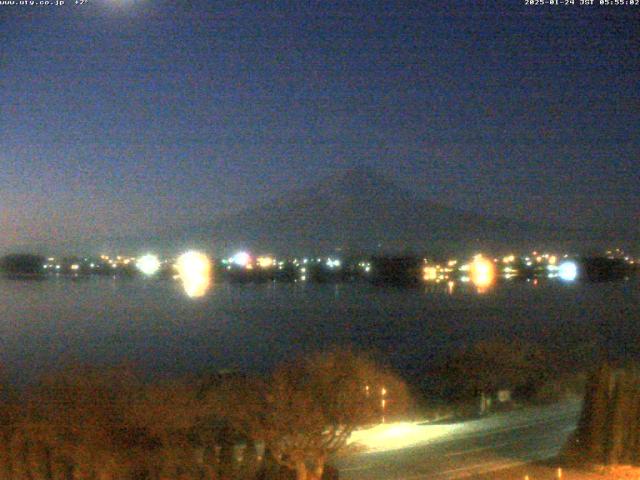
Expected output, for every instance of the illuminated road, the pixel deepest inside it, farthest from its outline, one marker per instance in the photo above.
(413, 451)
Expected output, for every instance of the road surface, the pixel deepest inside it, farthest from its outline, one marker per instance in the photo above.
(414, 451)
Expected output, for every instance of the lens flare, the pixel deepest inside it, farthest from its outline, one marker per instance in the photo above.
(482, 272)
(194, 270)
(148, 264)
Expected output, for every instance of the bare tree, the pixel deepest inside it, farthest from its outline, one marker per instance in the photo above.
(309, 408)
(105, 424)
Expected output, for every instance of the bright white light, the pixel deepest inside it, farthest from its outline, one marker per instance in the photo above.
(194, 269)
(148, 264)
(396, 436)
(241, 258)
(568, 271)
(331, 263)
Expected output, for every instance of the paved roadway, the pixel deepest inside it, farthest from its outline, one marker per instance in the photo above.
(413, 451)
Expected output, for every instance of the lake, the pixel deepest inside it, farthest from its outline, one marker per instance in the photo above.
(155, 326)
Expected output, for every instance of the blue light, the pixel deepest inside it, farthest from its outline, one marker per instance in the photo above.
(241, 258)
(568, 271)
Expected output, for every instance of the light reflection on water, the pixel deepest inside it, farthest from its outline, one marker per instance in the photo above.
(195, 273)
(151, 322)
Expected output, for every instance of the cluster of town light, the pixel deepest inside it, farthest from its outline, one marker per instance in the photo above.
(193, 269)
(118, 261)
(483, 272)
(480, 271)
(333, 263)
(81, 264)
(246, 261)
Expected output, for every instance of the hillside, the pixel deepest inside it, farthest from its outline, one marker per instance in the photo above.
(362, 211)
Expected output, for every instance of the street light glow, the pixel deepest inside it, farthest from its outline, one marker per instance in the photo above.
(482, 273)
(568, 271)
(398, 435)
(265, 262)
(241, 259)
(429, 274)
(148, 264)
(194, 270)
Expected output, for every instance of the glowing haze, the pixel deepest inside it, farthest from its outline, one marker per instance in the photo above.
(195, 273)
(482, 273)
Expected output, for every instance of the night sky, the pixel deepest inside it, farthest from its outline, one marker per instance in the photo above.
(131, 116)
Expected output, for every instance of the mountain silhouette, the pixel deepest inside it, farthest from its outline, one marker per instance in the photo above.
(361, 211)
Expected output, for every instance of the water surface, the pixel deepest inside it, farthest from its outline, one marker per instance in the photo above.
(152, 324)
